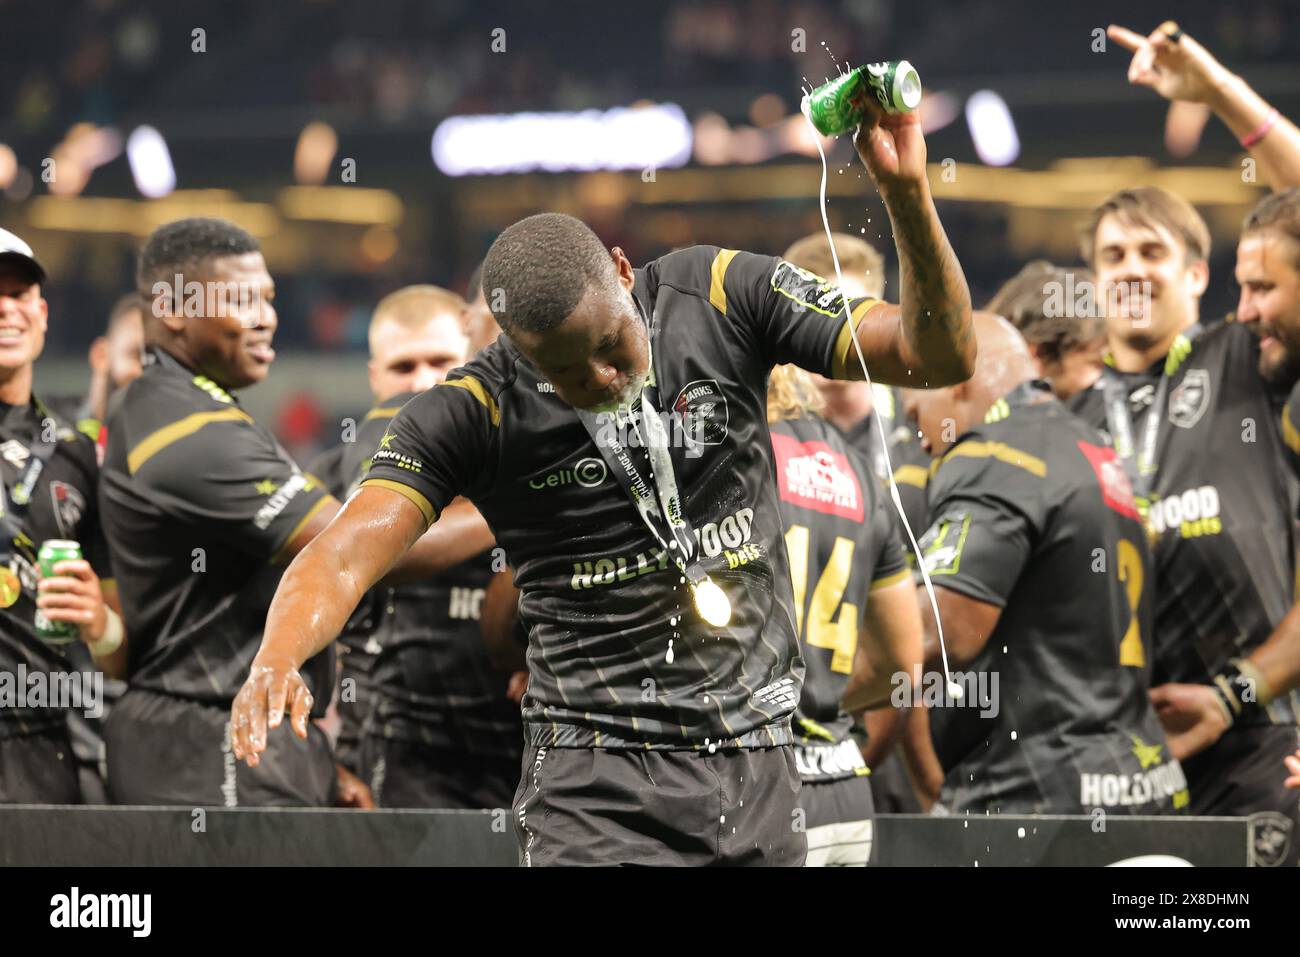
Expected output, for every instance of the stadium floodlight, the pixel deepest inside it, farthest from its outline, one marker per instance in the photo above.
(992, 128)
(622, 138)
(151, 163)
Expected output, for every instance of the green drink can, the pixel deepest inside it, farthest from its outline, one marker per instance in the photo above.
(840, 105)
(52, 552)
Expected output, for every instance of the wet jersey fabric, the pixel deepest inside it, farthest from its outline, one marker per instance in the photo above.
(1032, 512)
(618, 656)
(60, 504)
(1221, 504)
(842, 545)
(197, 499)
(415, 652)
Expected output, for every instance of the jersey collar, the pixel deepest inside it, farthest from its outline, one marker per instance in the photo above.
(159, 358)
(155, 355)
(1030, 392)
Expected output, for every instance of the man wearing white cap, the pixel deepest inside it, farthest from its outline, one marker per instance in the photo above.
(49, 472)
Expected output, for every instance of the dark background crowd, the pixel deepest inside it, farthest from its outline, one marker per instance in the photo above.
(383, 76)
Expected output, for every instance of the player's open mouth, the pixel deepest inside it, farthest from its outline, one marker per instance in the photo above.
(12, 334)
(261, 352)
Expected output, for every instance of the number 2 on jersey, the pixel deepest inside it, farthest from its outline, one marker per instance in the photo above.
(1129, 566)
(824, 629)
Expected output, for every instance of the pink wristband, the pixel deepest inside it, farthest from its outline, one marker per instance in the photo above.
(1262, 130)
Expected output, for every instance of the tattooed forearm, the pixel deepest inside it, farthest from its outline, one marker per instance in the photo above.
(934, 299)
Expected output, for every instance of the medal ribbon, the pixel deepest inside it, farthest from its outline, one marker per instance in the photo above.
(660, 510)
(1140, 462)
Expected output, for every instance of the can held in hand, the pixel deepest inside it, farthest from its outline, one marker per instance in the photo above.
(52, 552)
(840, 105)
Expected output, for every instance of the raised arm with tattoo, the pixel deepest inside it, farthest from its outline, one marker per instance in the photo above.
(925, 341)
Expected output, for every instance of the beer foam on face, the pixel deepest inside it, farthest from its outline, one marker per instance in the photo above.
(628, 395)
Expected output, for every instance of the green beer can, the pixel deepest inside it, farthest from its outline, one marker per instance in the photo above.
(840, 105)
(52, 552)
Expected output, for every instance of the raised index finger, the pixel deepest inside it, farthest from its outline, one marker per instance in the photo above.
(1125, 37)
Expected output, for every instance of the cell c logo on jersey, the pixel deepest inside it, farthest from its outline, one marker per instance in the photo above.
(703, 411)
(588, 473)
(1188, 402)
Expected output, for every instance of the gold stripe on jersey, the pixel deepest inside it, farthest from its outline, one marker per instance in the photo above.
(844, 342)
(914, 475)
(154, 443)
(419, 501)
(476, 389)
(1289, 433)
(302, 523)
(387, 412)
(1002, 452)
(717, 275)
(903, 574)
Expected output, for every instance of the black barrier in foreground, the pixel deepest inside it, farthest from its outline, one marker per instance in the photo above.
(911, 840)
(220, 837)
(217, 837)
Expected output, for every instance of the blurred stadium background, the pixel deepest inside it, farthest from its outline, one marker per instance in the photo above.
(113, 123)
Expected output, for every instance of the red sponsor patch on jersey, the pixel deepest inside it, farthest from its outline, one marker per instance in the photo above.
(1116, 489)
(813, 475)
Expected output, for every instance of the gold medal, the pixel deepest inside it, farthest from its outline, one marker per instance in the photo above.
(712, 603)
(10, 586)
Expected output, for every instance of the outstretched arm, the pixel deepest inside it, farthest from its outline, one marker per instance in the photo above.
(319, 590)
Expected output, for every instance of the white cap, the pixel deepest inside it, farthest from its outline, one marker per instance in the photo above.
(14, 249)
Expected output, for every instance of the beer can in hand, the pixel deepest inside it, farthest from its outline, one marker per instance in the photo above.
(52, 552)
(840, 105)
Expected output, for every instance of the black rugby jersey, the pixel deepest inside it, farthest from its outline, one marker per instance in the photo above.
(1032, 511)
(618, 656)
(197, 498)
(1291, 428)
(415, 652)
(62, 505)
(328, 467)
(842, 544)
(1221, 504)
